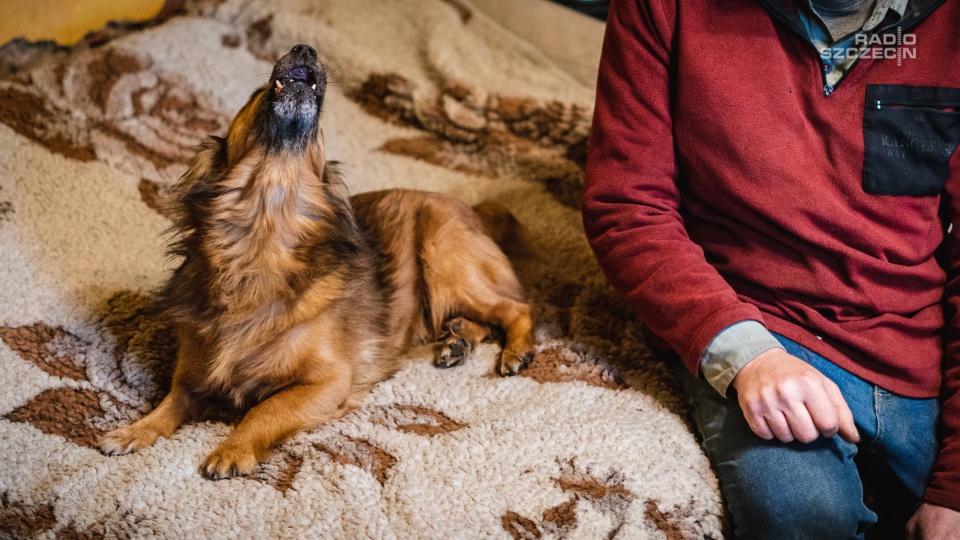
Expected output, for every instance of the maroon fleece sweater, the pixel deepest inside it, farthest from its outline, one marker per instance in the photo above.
(723, 184)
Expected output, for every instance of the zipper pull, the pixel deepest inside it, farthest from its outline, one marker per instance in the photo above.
(878, 105)
(827, 90)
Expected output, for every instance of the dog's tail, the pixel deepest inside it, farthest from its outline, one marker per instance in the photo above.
(502, 226)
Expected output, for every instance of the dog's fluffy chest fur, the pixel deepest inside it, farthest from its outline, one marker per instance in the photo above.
(281, 261)
(261, 230)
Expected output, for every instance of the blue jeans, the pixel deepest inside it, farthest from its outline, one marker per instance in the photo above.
(814, 491)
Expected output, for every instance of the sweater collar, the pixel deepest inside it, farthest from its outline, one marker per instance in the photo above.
(913, 12)
(898, 8)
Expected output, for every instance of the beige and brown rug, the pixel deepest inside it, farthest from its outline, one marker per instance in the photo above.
(591, 442)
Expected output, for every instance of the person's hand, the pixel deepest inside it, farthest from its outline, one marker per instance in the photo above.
(787, 398)
(932, 522)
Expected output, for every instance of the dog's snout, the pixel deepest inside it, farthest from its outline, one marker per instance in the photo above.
(306, 50)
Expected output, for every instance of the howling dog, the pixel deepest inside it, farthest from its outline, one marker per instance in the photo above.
(294, 299)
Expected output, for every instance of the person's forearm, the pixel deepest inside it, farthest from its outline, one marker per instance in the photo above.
(631, 199)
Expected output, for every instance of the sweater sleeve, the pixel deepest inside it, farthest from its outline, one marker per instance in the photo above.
(631, 204)
(944, 487)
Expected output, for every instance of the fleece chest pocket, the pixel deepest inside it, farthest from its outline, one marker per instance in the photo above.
(909, 134)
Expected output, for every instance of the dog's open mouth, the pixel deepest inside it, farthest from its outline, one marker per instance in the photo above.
(297, 75)
(294, 98)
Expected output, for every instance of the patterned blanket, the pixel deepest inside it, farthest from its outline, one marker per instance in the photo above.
(591, 442)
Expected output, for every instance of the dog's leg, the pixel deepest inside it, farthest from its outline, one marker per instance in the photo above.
(277, 418)
(173, 411)
(516, 321)
(458, 337)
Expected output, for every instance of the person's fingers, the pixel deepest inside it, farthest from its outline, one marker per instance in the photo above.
(760, 427)
(824, 413)
(913, 529)
(785, 398)
(801, 423)
(755, 420)
(779, 426)
(846, 427)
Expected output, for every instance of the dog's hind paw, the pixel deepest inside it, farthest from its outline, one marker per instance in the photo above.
(451, 352)
(511, 363)
(127, 439)
(459, 337)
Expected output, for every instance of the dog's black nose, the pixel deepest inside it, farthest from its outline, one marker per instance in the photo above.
(307, 50)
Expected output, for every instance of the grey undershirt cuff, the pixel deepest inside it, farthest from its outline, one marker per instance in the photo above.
(731, 349)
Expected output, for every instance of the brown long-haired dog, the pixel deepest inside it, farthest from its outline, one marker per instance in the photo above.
(293, 300)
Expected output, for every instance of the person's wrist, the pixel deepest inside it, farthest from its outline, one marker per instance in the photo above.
(731, 349)
(752, 366)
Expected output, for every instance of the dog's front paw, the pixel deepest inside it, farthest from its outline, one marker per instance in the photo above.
(127, 439)
(511, 362)
(228, 461)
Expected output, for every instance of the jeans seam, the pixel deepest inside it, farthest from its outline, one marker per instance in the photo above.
(703, 436)
(875, 443)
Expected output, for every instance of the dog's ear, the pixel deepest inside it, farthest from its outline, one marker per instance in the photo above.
(197, 186)
(241, 128)
(211, 157)
(318, 155)
(331, 173)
